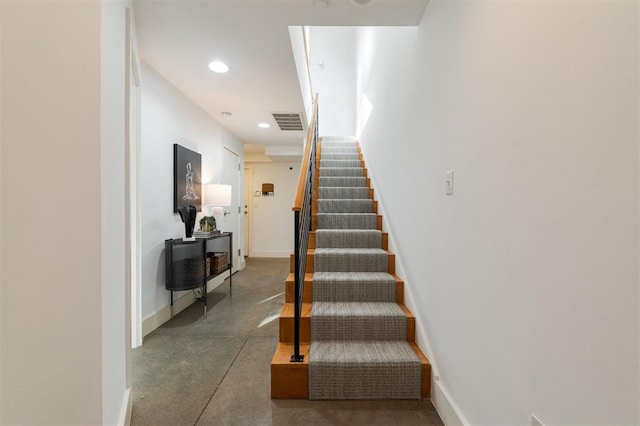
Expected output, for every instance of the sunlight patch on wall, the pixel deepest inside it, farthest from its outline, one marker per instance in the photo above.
(364, 112)
(365, 46)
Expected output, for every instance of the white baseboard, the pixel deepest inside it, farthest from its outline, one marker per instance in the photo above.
(181, 303)
(271, 253)
(125, 410)
(445, 405)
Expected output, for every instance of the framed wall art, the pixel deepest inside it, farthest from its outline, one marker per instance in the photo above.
(187, 178)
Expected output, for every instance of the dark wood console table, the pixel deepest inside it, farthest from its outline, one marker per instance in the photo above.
(191, 264)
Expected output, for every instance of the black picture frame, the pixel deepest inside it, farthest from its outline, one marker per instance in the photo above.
(187, 178)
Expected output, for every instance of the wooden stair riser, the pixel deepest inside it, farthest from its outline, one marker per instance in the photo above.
(307, 295)
(310, 262)
(286, 323)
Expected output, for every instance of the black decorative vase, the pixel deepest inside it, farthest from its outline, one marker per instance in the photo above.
(188, 216)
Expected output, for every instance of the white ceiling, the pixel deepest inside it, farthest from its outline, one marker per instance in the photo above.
(179, 38)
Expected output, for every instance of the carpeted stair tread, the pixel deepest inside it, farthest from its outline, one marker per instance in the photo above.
(347, 221)
(338, 139)
(348, 238)
(341, 171)
(342, 193)
(345, 206)
(336, 164)
(340, 156)
(353, 287)
(358, 309)
(341, 181)
(340, 149)
(357, 321)
(350, 260)
(343, 277)
(363, 370)
(338, 146)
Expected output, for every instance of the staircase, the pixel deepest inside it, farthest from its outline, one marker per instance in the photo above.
(358, 337)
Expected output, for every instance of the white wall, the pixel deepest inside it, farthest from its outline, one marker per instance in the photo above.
(299, 51)
(272, 217)
(169, 117)
(526, 280)
(332, 53)
(51, 245)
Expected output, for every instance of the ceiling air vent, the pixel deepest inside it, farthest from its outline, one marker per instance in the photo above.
(288, 121)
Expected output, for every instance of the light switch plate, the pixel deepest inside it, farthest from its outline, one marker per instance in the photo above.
(449, 183)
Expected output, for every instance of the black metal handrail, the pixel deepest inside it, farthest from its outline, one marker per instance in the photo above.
(302, 209)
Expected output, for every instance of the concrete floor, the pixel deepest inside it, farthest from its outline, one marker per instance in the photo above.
(193, 371)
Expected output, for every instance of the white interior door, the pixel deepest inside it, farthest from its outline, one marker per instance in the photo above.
(231, 220)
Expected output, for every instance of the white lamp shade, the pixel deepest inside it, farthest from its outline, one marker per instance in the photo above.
(216, 194)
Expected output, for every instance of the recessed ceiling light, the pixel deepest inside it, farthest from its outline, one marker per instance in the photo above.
(226, 114)
(264, 125)
(219, 67)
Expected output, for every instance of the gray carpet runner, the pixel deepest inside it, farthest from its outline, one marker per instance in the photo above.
(353, 287)
(360, 321)
(343, 193)
(383, 370)
(359, 346)
(338, 164)
(351, 260)
(347, 221)
(345, 206)
(342, 181)
(346, 238)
